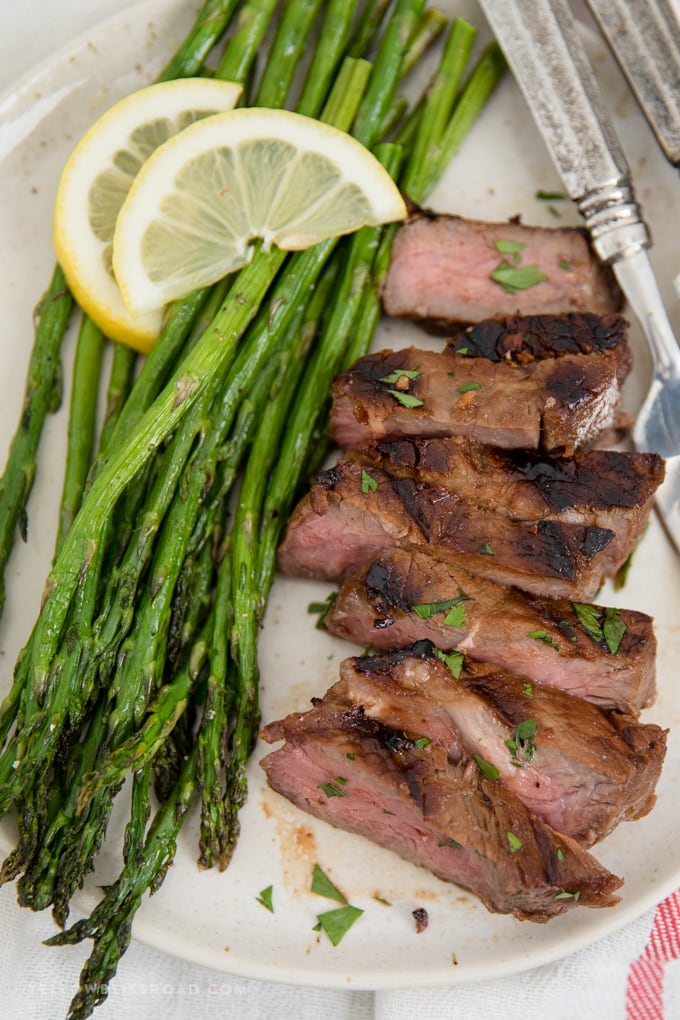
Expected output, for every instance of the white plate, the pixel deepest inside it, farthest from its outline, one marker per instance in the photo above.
(212, 918)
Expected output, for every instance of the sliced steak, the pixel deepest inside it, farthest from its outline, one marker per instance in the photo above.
(555, 404)
(524, 338)
(567, 761)
(602, 488)
(350, 515)
(536, 637)
(441, 266)
(448, 818)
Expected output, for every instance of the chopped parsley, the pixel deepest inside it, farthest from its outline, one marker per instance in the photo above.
(368, 483)
(469, 386)
(560, 853)
(528, 690)
(463, 351)
(513, 278)
(452, 843)
(422, 742)
(565, 264)
(331, 790)
(513, 248)
(542, 635)
(454, 660)
(322, 886)
(407, 399)
(568, 895)
(454, 608)
(322, 609)
(400, 373)
(486, 768)
(550, 196)
(485, 550)
(521, 745)
(336, 923)
(604, 626)
(381, 899)
(514, 842)
(265, 898)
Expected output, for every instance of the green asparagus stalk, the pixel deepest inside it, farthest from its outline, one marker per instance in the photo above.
(121, 379)
(211, 22)
(82, 422)
(42, 395)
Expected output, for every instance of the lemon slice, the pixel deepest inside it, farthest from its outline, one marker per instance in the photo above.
(96, 180)
(204, 196)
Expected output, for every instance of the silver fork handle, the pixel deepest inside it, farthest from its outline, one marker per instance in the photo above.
(638, 283)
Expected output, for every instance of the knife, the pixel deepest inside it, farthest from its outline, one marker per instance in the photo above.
(644, 36)
(543, 47)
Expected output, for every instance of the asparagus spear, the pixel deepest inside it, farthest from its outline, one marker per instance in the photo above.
(42, 395)
(82, 422)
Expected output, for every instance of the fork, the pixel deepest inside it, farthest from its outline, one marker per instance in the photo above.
(545, 51)
(644, 36)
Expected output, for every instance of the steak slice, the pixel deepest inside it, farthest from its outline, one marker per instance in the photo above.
(523, 338)
(441, 266)
(566, 760)
(536, 637)
(350, 515)
(602, 488)
(448, 818)
(554, 404)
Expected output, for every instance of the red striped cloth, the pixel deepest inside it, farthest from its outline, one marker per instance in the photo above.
(644, 989)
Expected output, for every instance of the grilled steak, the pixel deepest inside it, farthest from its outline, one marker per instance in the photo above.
(524, 338)
(553, 404)
(603, 488)
(539, 638)
(441, 272)
(446, 817)
(350, 515)
(565, 759)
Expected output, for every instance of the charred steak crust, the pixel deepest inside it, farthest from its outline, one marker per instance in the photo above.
(524, 338)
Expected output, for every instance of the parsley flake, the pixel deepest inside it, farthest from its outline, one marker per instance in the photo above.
(469, 386)
(565, 264)
(454, 660)
(528, 690)
(485, 550)
(452, 843)
(514, 842)
(606, 626)
(513, 278)
(322, 886)
(331, 790)
(322, 609)
(514, 248)
(265, 898)
(453, 607)
(422, 742)
(463, 351)
(550, 196)
(336, 923)
(542, 635)
(407, 399)
(368, 483)
(568, 895)
(486, 768)
(400, 373)
(560, 853)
